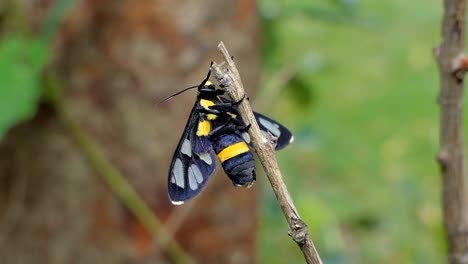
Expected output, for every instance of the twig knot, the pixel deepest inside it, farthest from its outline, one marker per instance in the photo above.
(298, 230)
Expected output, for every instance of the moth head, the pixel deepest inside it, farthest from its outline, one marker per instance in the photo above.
(208, 86)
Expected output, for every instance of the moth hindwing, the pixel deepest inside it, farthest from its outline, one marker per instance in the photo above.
(215, 131)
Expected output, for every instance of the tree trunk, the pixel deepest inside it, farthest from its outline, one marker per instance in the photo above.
(451, 157)
(117, 59)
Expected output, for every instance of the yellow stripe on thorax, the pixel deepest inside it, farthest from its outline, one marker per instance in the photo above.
(233, 150)
(211, 116)
(205, 103)
(204, 128)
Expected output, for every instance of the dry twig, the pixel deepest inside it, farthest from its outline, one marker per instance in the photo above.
(452, 67)
(297, 228)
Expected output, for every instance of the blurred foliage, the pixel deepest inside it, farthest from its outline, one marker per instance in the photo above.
(23, 58)
(362, 104)
(21, 62)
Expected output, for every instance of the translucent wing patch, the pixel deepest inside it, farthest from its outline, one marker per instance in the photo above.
(194, 161)
(268, 125)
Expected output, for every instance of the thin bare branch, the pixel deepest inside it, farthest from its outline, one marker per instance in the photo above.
(231, 80)
(452, 68)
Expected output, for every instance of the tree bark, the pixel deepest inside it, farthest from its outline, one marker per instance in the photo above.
(117, 59)
(451, 157)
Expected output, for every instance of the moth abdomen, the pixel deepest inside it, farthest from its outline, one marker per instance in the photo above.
(236, 158)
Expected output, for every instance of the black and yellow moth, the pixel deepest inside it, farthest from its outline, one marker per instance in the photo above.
(215, 131)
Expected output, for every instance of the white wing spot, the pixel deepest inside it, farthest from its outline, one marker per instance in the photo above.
(191, 177)
(186, 148)
(197, 173)
(178, 173)
(274, 128)
(291, 140)
(206, 158)
(177, 202)
(246, 137)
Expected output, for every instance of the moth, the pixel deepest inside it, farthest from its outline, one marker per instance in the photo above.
(215, 131)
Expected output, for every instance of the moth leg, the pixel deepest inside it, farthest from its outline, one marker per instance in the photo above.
(216, 92)
(219, 128)
(230, 125)
(225, 112)
(227, 107)
(241, 100)
(216, 109)
(221, 108)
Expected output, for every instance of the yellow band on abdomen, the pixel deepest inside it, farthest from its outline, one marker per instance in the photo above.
(232, 151)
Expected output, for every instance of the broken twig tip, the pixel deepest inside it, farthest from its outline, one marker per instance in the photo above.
(460, 66)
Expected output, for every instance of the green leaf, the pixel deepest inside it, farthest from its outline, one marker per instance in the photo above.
(21, 63)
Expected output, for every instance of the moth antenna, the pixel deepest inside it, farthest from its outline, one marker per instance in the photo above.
(184, 90)
(191, 87)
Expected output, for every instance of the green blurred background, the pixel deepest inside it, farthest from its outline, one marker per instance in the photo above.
(356, 81)
(361, 98)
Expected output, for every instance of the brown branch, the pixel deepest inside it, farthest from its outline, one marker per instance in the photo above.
(297, 228)
(452, 67)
